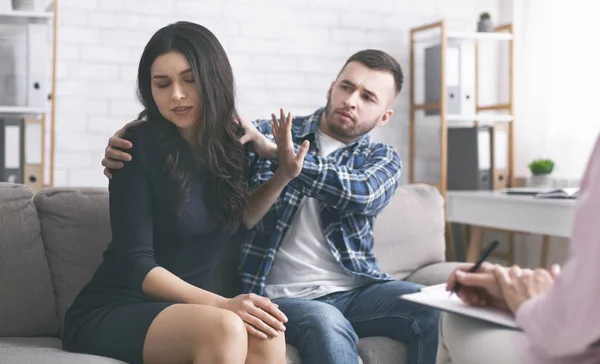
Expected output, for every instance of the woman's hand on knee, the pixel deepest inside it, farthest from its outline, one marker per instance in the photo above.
(262, 317)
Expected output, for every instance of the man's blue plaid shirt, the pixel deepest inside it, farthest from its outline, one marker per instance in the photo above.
(353, 184)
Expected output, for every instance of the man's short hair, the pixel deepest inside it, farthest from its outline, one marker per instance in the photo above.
(378, 60)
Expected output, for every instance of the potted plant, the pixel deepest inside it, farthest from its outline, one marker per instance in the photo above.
(541, 170)
(485, 23)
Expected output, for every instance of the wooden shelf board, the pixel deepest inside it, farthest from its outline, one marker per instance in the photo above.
(22, 110)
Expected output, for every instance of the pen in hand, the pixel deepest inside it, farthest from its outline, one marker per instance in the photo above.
(477, 265)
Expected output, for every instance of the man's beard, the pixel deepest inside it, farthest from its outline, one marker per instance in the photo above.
(341, 133)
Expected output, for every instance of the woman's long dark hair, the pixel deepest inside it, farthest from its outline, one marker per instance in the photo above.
(217, 147)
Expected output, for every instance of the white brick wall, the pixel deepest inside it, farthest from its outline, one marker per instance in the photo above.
(284, 54)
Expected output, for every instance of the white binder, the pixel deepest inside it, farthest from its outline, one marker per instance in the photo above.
(33, 168)
(11, 156)
(459, 78)
(37, 61)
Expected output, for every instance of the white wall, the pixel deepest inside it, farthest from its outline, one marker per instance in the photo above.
(556, 84)
(284, 54)
(556, 96)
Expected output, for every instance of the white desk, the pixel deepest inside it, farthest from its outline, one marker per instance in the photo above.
(497, 210)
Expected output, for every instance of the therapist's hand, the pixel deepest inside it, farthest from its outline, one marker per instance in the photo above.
(520, 285)
(480, 288)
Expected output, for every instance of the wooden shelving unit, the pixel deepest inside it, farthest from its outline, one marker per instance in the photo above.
(43, 113)
(502, 33)
(484, 114)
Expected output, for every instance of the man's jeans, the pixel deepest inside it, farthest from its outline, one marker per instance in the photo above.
(326, 330)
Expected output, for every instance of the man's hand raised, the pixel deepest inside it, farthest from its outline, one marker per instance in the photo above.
(290, 162)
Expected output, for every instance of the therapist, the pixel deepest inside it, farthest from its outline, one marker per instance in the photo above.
(559, 312)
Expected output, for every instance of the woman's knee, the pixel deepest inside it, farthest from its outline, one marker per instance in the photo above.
(229, 342)
(270, 351)
(198, 333)
(227, 331)
(230, 326)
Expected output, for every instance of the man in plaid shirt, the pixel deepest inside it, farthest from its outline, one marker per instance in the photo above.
(311, 253)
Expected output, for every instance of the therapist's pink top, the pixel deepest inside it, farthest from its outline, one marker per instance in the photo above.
(563, 326)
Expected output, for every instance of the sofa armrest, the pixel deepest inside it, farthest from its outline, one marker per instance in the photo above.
(410, 232)
(433, 274)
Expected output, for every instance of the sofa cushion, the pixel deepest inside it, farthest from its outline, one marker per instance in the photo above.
(76, 231)
(382, 350)
(27, 306)
(44, 350)
(293, 357)
(409, 232)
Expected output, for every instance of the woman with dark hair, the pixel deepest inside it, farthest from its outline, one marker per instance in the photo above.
(179, 200)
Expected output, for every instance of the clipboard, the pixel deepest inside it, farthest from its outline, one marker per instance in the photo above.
(437, 297)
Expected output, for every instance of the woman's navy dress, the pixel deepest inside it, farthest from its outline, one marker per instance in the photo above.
(111, 315)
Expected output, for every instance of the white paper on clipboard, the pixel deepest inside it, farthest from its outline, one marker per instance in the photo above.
(437, 297)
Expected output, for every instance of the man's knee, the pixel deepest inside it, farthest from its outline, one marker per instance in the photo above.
(428, 322)
(425, 317)
(328, 322)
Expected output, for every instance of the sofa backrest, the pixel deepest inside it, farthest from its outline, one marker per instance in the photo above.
(410, 232)
(76, 231)
(75, 226)
(27, 305)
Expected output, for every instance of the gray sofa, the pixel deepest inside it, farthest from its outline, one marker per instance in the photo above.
(51, 243)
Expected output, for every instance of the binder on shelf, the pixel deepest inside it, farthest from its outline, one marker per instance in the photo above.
(469, 158)
(460, 78)
(33, 168)
(12, 135)
(500, 156)
(37, 57)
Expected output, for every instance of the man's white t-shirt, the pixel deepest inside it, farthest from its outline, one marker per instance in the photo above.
(304, 266)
